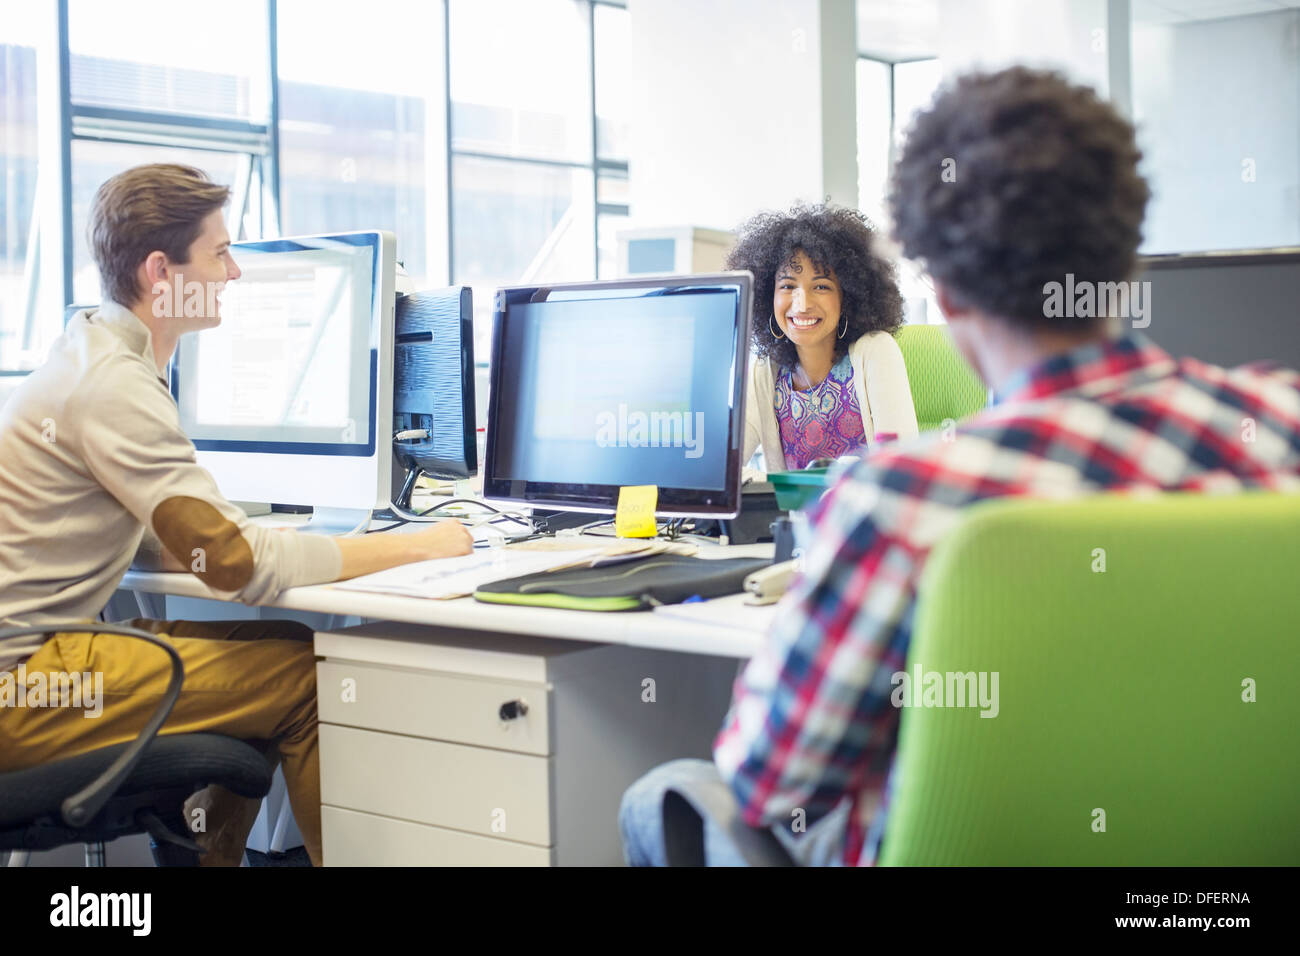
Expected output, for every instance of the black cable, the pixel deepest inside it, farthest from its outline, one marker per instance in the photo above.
(458, 501)
(396, 523)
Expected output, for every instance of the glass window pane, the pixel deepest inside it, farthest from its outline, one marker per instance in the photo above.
(914, 86)
(518, 222)
(198, 58)
(612, 187)
(521, 78)
(873, 136)
(357, 147)
(24, 334)
(607, 230)
(613, 82)
(92, 163)
(1216, 103)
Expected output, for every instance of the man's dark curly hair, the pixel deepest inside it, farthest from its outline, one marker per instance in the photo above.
(829, 235)
(1043, 182)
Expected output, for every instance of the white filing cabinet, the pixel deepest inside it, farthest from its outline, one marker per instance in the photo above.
(448, 747)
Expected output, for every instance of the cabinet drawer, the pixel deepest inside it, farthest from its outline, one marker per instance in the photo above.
(493, 792)
(433, 705)
(363, 839)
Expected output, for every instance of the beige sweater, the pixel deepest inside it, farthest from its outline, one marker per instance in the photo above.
(94, 466)
(879, 380)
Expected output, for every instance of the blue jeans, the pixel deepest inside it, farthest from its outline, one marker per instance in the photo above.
(641, 822)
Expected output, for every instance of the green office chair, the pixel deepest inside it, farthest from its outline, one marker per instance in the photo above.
(1149, 683)
(943, 385)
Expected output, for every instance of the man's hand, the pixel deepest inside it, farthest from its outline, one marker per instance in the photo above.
(368, 553)
(446, 539)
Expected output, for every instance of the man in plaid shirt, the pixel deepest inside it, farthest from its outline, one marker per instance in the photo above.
(1010, 182)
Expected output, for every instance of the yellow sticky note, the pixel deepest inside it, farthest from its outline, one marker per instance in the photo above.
(635, 516)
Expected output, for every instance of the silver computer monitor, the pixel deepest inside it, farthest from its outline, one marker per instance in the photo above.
(289, 400)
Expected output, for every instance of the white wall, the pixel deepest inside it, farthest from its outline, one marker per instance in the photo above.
(742, 105)
(1068, 35)
(1208, 96)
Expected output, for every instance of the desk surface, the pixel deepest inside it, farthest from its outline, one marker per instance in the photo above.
(635, 628)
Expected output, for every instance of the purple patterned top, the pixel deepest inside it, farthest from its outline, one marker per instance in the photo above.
(824, 422)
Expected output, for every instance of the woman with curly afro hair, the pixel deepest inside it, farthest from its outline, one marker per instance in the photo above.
(828, 378)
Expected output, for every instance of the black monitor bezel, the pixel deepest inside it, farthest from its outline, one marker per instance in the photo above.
(600, 498)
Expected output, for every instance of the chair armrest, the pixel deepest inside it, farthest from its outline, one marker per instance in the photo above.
(686, 805)
(80, 808)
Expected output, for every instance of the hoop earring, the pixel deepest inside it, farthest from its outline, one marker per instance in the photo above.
(845, 329)
(771, 327)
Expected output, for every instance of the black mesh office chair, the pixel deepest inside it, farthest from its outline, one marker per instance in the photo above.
(128, 788)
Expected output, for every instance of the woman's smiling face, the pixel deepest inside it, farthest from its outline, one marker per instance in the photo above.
(806, 301)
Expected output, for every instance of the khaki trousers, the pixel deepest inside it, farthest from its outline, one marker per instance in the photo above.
(253, 680)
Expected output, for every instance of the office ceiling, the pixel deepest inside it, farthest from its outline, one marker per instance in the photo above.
(909, 29)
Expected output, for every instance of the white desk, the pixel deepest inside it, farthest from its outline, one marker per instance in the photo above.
(417, 766)
(636, 628)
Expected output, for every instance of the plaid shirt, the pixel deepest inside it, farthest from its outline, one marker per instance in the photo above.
(811, 723)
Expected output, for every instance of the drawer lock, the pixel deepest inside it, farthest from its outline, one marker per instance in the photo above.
(513, 709)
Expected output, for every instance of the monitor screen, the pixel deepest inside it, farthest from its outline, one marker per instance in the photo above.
(631, 382)
(292, 366)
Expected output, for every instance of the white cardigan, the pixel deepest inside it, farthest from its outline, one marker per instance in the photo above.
(879, 379)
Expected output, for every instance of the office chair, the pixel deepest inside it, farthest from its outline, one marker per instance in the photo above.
(1148, 664)
(127, 788)
(1147, 667)
(943, 385)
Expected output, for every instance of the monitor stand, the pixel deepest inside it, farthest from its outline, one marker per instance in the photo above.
(337, 521)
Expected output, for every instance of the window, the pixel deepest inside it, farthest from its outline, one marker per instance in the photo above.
(538, 143)
(875, 129)
(226, 75)
(362, 132)
(889, 95)
(613, 94)
(24, 334)
(914, 85)
(201, 104)
(489, 135)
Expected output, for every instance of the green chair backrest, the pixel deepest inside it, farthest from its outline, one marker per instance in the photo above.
(943, 384)
(1148, 653)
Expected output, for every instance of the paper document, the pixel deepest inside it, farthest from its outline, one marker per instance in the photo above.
(461, 576)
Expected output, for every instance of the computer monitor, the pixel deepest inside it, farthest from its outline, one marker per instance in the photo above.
(290, 399)
(434, 420)
(600, 385)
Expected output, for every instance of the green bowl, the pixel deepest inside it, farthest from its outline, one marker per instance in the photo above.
(796, 490)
